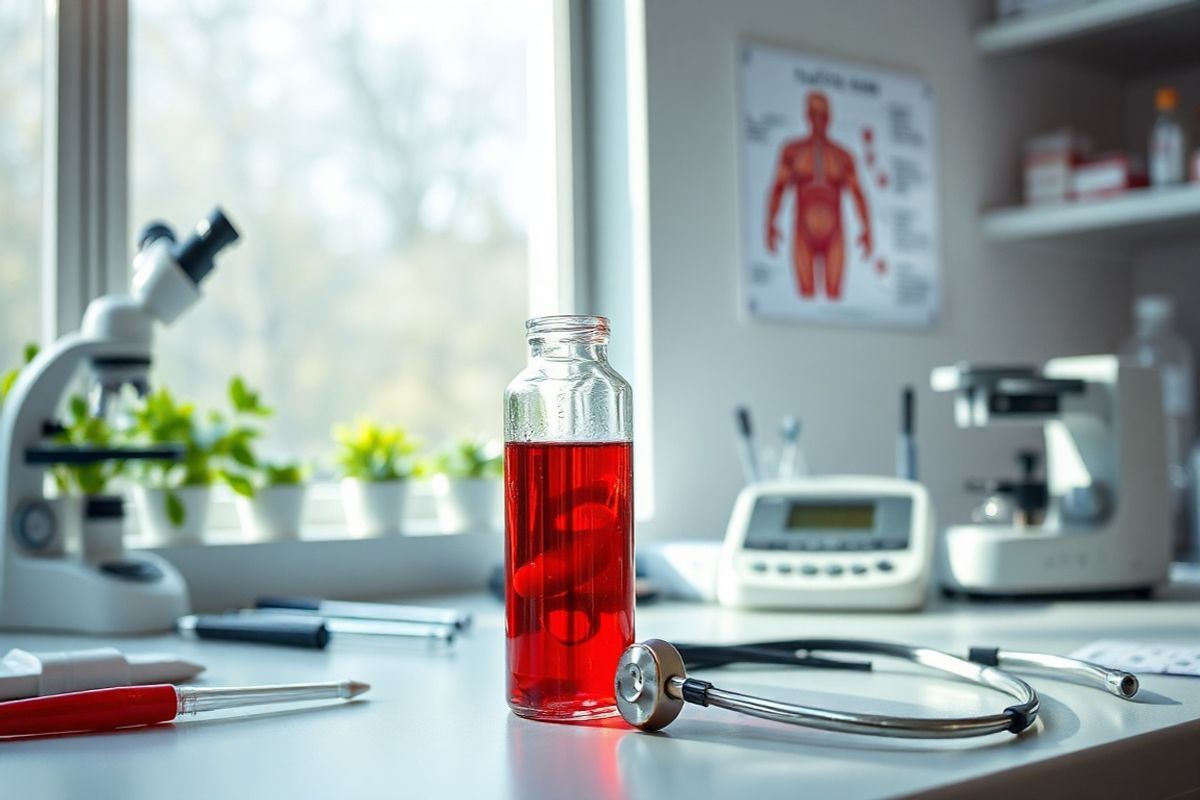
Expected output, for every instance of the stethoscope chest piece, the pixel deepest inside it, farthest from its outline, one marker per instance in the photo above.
(646, 697)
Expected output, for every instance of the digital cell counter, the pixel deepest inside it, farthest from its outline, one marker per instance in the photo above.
(830, 542)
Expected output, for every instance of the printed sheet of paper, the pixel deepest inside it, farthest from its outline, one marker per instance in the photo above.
(1141, 657)
(838, 191)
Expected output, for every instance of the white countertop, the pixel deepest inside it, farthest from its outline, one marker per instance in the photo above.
(436, 725)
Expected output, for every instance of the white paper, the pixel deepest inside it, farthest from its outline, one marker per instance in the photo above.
(1142, 657)
(877, 145)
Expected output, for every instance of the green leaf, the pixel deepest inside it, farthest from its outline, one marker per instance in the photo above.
(239, 483)
(7, 380)
(240, 452)
(176, 511)
(78, 406)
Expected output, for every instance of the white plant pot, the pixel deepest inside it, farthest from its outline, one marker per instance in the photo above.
(374, 507)
(152, 516)
(273, 513)
(467, 504)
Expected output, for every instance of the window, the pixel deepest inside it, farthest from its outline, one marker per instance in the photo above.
(372, 153)
(20, 176)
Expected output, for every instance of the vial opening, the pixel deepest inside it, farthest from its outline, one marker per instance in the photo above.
(568, 328)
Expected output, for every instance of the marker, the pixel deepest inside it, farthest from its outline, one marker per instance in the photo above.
(376, 611)
(109, 709)
(24, 674)
(746, 445)
(906, 443)
(301, 630)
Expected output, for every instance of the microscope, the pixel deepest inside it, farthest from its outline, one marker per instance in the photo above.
(1099, 522)
(43, 585)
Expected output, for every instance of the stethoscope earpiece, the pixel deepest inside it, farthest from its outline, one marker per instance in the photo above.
(646, 696)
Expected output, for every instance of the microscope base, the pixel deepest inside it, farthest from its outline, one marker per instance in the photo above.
(1144, 593)
(998, 561)
(71, 595)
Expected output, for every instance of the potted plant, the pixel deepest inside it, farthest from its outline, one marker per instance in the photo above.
(466, 481)
(376, 462)
(82, 489)
(270, 495)
(172, 497)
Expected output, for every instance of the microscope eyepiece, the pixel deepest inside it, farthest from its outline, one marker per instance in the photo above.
(195, 254)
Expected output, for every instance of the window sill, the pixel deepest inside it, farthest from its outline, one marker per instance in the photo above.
(228, 571)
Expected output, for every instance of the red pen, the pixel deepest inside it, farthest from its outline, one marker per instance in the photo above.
(128, 706)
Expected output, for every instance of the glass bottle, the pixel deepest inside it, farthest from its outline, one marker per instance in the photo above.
(1155, 343)
(568, 510)
(1167, 147)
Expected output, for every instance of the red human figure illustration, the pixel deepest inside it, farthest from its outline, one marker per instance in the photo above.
(819, 170)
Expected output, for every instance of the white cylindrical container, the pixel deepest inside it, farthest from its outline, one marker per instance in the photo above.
(273, 513)
(468, 504)
(155, 522)
(374, 507)
(103, 530)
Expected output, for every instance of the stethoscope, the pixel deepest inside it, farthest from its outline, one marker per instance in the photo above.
(652, 685)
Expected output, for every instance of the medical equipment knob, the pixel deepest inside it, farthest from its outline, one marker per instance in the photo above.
(153, 231)
(645, 684)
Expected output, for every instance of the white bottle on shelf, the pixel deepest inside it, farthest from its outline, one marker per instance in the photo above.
(1168, 159)
(1155, 343)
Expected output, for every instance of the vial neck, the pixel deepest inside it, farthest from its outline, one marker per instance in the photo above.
(548, 350)
(1153, 326)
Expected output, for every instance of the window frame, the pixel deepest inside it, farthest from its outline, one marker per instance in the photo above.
(86, 233)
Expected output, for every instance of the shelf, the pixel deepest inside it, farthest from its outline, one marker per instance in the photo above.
(1134, 221)
(1126, 36)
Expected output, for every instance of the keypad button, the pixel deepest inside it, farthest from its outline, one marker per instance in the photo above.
(834, 569)
(885, 566)
(758, 566)
(809, 569)
(783, 568)
(858, 569)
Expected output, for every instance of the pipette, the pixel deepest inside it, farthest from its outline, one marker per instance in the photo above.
(299, 630)
(790, 432)
(108, 709)
(375, 611)
(746, 445)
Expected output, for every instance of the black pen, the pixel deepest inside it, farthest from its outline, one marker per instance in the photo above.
(265, 627)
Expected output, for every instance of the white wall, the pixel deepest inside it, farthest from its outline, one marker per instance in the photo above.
(1000, 305)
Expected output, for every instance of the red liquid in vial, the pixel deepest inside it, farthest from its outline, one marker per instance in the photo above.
(569, 575)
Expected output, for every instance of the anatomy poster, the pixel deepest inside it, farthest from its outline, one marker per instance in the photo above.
(839, 191)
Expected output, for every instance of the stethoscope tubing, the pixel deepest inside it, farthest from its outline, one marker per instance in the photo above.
(652, 684)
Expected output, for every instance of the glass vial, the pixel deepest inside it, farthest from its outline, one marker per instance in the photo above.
(568, 512)
(1167, 147)
(1156, 343)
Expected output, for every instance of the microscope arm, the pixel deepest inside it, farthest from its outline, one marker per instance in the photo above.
(31, 403)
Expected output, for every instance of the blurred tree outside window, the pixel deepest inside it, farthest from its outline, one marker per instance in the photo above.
(372, 154)
(20, 177)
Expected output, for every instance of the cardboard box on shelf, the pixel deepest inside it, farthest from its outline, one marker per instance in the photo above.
(1050, 160)
(1107, 176)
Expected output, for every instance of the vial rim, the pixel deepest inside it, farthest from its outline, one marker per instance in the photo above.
(568, 326)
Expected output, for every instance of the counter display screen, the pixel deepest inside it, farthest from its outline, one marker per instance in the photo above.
(851, 518)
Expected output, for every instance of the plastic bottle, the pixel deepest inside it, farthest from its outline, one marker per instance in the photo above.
(568, 506)
(1155, 343)
(1167, 149)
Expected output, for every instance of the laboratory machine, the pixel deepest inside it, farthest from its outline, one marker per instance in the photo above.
(1099, 523)
(43, 583)
(829, 542)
